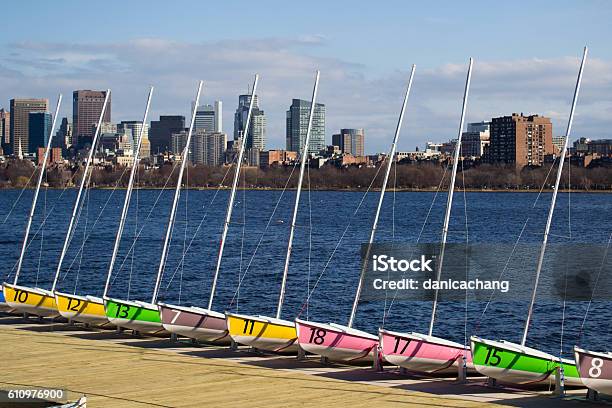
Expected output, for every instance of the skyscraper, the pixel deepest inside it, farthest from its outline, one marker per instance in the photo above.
(135, 126)
(476, 139)
(350, 141)
(39, 130)
(20, 111)
(63, 137)
(160, 133)
(297, 126)
(257, 128)
(5, 130)
(206, 148)
(205, 118)
(520, 140)
(86, 108)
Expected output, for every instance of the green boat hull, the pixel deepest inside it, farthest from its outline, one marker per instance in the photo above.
(513, 364)
(143, 318)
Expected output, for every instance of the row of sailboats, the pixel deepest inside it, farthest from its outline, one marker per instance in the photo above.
(417, 352)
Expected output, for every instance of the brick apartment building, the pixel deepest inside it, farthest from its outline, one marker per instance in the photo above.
(520, 140)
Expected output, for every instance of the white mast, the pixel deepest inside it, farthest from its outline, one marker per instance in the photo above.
(304, 159)
(92, 149)
(551, 210)
(177, 193)
(451, 192)
(230, 204)
(38, 184)
(128, 195)
(382, 195)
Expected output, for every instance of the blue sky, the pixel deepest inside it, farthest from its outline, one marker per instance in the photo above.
(526, 58)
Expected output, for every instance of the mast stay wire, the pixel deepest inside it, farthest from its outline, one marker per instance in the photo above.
(261, 237)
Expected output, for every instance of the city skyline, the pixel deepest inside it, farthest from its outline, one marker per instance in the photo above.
(360, 86)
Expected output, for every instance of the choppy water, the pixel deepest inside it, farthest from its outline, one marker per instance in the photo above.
(492, 218)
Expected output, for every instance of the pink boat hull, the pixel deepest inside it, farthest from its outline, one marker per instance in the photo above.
(336, 343)
(595, 370)
(423, 354)
(194, 323)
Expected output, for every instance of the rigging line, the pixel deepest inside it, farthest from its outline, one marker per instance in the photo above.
(418, 240)
(348, 225)
(514, 247)
(261, 237)
(42, 235)
(467, 241)
(309, 239)
(174, 166)
(78, 220)
(563, 313)
(186, 188)
(392, 232)
(31, 239)
(586, 313)
(73, 232)
(23, 189)
(86, 238)
(243, 233)
(80, 256)
(208, 207)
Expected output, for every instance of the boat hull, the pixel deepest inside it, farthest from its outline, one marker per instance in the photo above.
(33, 301)
(4, 307)
(83, 309)
(262, 332)
(335, 342)
(195, 323)
(595, 370)
(422, 353)
(138, 316)
(514, 364)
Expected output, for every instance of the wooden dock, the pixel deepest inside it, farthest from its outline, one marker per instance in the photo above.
(120, 370)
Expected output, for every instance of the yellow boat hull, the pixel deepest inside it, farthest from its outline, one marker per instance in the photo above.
(33, 301)
(83, 309)
(263, 333)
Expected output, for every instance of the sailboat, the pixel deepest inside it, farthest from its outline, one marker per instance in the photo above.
(425, 352)
(344, 343)
(516, 363)
(36, 301)
(206, 324)
(90, 309)
(139, 316)
(274, 333)
(595, 369)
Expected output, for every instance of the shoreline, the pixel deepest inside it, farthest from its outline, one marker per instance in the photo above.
(341, 190)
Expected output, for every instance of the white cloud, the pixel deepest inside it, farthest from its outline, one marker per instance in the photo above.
(353, 97)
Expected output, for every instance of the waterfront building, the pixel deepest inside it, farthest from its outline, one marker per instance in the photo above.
(209, 117)
(350, 141)
(558, 142)
(520, 140)
(269, 158)
(39, 130)
(55, 155)
(5, 130)
(161, 131)
(86, 108)
(297, 126)
(207, 148)
(135, 126)
(19, 122)
(63, 136)
(257, 128)
(475, 140)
